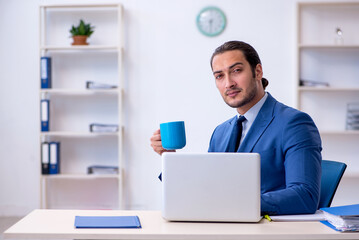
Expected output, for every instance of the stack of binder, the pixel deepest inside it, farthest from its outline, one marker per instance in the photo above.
(96, 85)
(100, 128)
(308, 83)
(99, 169)
(342, 218)
(50, 158)
(353, 116)
(45, 115)
(45, 66)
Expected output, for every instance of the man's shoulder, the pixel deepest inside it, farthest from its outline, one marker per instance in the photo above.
(228, 122)
(286, 116)
(285, 110)
(223, 127)
(220, 133)
(282, 112)
(280, 108)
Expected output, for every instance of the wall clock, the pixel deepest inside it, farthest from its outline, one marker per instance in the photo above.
(211, 21)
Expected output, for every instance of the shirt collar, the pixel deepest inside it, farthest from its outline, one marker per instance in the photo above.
(252, 113)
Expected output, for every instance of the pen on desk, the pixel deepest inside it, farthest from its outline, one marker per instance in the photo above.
(267, 217)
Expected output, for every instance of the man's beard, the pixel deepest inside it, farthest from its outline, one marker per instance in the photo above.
(247, 98)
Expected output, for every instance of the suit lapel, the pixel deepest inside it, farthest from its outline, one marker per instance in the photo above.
(264, 118)
(228, 137)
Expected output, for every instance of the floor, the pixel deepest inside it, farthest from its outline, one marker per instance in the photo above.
(5, 223)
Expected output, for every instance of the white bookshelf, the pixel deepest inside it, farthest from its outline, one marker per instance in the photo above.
(325, 56)
(73, 107)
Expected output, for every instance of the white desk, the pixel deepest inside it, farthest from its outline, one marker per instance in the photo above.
(59, 224)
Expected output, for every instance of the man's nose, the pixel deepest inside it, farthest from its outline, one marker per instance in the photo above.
(230, 82)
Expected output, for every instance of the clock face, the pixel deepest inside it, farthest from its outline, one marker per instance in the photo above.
(211, 21)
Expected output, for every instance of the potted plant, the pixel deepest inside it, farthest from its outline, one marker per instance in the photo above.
(81, 33)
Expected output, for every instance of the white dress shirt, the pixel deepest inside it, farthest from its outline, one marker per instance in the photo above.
(251, 115)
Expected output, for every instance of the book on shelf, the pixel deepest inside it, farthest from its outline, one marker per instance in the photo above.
(97, 85)
(45, 115)
(309, 83)
(100, 128)
(54, 149)
(351, 126)
(342, 218)
(353, 107)
(45, 158)
(100, 169)
(45, 69)
(352, 116)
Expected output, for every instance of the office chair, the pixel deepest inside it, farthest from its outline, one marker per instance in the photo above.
(332, 173)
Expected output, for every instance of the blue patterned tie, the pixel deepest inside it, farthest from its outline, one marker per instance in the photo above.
(236, 135)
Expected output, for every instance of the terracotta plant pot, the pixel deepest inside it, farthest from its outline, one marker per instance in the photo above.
(79, 40)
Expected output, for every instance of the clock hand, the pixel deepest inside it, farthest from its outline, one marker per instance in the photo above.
(210, 24)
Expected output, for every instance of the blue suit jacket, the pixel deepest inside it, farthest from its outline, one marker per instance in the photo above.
(290, 148)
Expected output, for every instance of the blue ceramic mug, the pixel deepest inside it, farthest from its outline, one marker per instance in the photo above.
(173, 135)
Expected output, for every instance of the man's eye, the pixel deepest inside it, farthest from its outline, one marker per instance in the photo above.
(237, 70)
(219, 76)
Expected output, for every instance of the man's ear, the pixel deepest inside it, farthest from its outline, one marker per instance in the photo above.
(259, 72)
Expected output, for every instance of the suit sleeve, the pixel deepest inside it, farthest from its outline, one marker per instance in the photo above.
(301, 146)
(212, 144)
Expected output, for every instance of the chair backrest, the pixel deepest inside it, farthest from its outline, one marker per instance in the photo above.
(332, 173)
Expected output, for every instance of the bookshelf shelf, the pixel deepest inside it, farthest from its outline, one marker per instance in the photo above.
(326, 46)
(81, 176)
(92, 7)
(72, 107)
(81, 48)
(78, 134)
(328, 89)
(351, 175)
(343, 132)
(79, 91)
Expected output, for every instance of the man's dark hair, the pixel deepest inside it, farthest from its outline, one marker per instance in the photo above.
(248, 51)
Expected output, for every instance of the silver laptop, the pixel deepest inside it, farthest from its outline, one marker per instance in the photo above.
(219, 187)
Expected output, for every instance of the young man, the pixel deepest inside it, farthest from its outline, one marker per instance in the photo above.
(286, 139)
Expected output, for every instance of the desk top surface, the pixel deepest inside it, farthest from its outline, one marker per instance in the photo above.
(59, 224)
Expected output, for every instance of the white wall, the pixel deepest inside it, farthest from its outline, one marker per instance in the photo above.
(168, 77)
(19, 128)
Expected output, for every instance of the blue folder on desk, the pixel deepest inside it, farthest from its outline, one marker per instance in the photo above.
(342, 218)
(107, 222)
(343, 211)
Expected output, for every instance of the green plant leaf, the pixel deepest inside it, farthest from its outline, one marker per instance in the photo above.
(82, 29)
